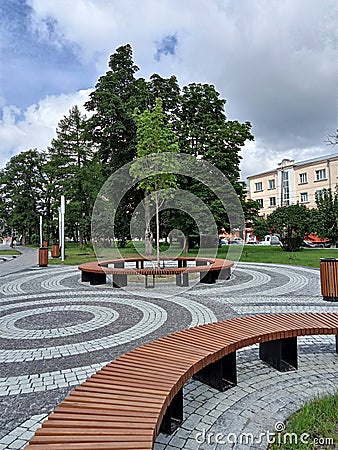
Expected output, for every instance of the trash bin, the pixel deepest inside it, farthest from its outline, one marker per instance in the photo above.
(55, 251)
(329, 279)
(43, 257)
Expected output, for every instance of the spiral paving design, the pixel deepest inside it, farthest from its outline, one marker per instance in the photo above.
(10, 330)
(56, 331)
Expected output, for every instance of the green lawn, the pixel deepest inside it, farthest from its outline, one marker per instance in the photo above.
(274, 254)
(9, 252)
(251, 253)
(318, 419)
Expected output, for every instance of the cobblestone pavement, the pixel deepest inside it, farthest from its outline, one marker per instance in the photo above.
(56, 331)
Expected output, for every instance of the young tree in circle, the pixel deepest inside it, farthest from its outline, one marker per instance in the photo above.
(153, 137)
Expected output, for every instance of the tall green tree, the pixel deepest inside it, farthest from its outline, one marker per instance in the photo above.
(116, 95)
(153, 137)
(205, 132)
(169, 91)
(22, 193)
(73, 170)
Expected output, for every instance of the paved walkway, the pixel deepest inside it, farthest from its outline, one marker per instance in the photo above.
(55, 331)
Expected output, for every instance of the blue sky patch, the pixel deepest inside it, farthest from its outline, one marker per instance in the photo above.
(35, 67)
(167, 46)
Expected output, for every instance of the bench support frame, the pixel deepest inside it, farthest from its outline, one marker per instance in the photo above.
(220, 375)
(173, 417)
(93, 278)
(280, 354)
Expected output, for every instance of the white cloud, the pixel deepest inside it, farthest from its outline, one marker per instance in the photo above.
(35, 127)
(275, 62)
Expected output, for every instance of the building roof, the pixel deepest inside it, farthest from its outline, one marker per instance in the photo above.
(318, 159)
(272, 171)
(299, 163)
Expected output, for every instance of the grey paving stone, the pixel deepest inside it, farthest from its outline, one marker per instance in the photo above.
(38, 373)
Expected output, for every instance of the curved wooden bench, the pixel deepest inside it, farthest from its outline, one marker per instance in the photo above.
(210, 270)
(126, 403)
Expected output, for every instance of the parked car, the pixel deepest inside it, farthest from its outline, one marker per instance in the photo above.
(313, 241)
(271, 239)
(236, 241)
(316, 244)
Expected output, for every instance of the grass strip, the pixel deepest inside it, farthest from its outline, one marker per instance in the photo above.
(315, 426)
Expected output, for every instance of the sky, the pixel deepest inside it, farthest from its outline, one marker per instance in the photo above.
(275, 62)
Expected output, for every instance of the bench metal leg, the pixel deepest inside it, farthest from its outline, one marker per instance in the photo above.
(280, 354)
(225, 274)
(146, 282)
(182, 279)
(86, 276)
(173, 417)
(220, 375)
(209, 277)
(119, 280)
(98, 278)
(336, 343)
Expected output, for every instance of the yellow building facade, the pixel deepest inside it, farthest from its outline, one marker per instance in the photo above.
(294, 182)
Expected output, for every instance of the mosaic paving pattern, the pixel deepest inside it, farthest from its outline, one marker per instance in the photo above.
(56, 331)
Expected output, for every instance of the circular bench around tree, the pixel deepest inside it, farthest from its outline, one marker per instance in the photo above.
(210, 270)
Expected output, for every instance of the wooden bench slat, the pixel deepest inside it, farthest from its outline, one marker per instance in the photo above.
(80, 423)
(99, 446)
(65, 413)
(83, 432)
(129, 380)
(86, 438)
(115, 394)
(105, 404)
(106, 389)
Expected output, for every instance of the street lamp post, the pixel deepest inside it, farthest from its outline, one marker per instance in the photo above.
(62, 226)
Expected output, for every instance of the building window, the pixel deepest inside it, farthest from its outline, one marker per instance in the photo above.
(304, 197)
(320, 174)
(258, 186)
(260, 201)
(320, 194)
(285, 189)
(302, 178)
(272, 201)
(272, 184)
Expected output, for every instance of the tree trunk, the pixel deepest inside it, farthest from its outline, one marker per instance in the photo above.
(186, 244)
(148, 237)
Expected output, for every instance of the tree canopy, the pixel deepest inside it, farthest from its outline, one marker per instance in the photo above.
(292, 223)
(86, 151)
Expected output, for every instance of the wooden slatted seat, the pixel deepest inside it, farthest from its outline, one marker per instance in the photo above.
(126, 403)
(210, 270)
